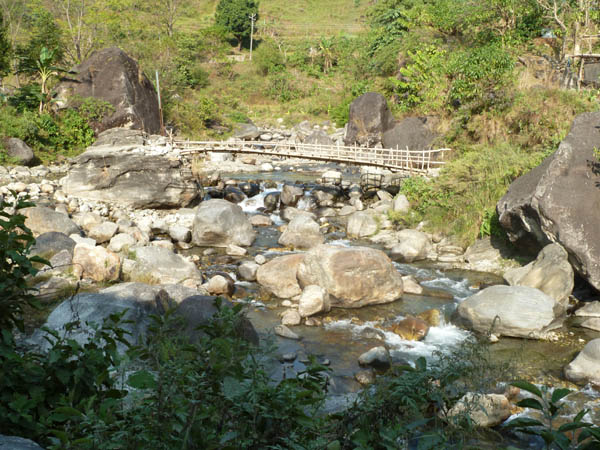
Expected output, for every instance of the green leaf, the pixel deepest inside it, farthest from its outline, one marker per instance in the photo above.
(526, 386)
(233, 389)
(142, 380)
(559, 394)
(335, 445)
(530, 403)
(524, 422)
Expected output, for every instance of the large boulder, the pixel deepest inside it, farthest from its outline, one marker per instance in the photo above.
(219, 223)
(49, 244)
(361, 224)
(585, 367)
(318, 137)
(139, 299)
(413, 245)
(127, 176)
(551, 273)
(413, 133)
(353, 277)
(160, 265)
(42, 220)
(17, 443)
(516, 311)
(302, 233)
(559, 200)
(279, 276)
(114, 77)
(96, 263)
(19, 151)
(368, 119)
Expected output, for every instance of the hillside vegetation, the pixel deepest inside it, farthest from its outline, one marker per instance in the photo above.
(457, 61)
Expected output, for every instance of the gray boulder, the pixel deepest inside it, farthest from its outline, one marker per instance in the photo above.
(353, 277)
(162, 266)
(120, 137)
(516, 311)
(18, 151)
(246, 131)
(318, 137)
(290, 194)
(219, 223)
(17, 443)
(585, 367)
(413, 245)
(279, 276)
(49, 244)
(559, 200)
(111, 75)
(361, 224)
(413, 133)
(551, 273)
(368, 119)
(125, 176)
(302, 233)
(376, 357)
(42, 220)
(139, 299)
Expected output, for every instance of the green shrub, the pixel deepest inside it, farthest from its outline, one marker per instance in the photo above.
(94, 110)
(267, 58)
(280, 87)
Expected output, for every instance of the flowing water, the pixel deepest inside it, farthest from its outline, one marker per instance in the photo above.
(347, 333)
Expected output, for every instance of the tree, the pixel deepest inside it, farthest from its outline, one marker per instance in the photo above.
(234, 16)
(5, 49)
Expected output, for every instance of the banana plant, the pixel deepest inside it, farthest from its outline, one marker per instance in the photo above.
(46, 70)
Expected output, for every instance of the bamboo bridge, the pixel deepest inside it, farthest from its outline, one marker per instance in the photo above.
(413, 162)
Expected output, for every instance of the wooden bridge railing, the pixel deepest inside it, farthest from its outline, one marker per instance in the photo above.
(414, 161)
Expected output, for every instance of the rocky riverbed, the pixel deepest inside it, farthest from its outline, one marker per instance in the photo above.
(310, 250)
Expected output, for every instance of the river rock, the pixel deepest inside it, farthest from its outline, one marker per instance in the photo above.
(246, 131)
(301, 233)
(138, 299)
(197, 310)
(290, 194)
(487, 256)
(558, 201)
(585, 367)
(550, 272)
(18, 151)
(260, 220)
(411, 285)
(271, 201)
(413, 245)
(284, 332)
(127, 177)
(318, 137)
(49, 244)
(279, 276)
(368, 119)
(401, 204)
(111, 75)
(411, 328)
(121, 242)
(219, 223)
(17, 443)
(378, 357)
(290, 318)
(314, 300)
(180, 233)
(517, 311)
(591, 309)
(103, 232)
(484, 410)
(40, 219)
(413, 133)
(219, 284)
(162, 266)
(593, 323)
(289, 213)
(361, 224)
(235, 250)
(96, 263)
(353, 277)
(247, 270)
(365, 377)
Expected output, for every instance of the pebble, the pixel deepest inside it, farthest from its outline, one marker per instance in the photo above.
(285, 332)
(288, 357)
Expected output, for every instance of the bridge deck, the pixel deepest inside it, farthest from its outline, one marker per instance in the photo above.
(413, 161)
